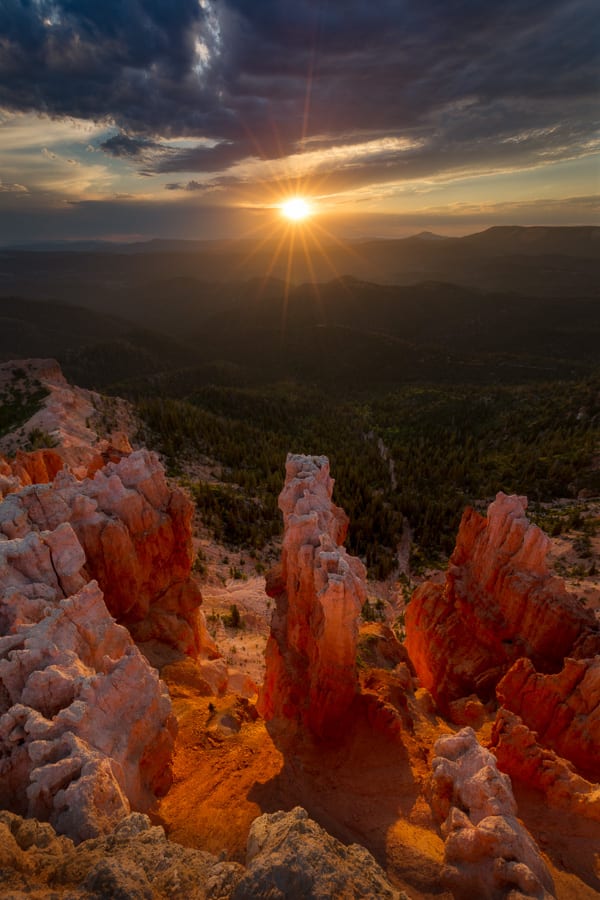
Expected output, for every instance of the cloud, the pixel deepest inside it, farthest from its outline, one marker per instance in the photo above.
(192, 186)
(461, 86)
(13, 188)
(121, 145)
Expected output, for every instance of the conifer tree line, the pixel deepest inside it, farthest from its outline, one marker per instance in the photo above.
(450, 446)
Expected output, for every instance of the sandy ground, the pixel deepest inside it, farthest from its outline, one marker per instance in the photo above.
(370, 789)
(367, 790)
(572, 560)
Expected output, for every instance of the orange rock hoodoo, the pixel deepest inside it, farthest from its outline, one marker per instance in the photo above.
(488, 852)
(136, 534)
(500, 602)
(68, 676)
(563, 708)
(311, 677)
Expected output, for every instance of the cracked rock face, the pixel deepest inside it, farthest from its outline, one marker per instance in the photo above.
(487, 850)
(136, 534)
(289, 855)
(499, 603)
(134, 862)
(86, 729)
(311, 677)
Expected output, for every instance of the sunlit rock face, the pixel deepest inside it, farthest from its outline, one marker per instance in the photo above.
(311, 676)
(547, 732)
(519, 753)
(488, 852)
(136, 534)
(86, 730)
(562, 708)
(499, 603)
(37, 467)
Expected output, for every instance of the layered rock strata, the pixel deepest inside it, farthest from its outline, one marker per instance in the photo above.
(136, 534)
(488, 852)
(311, 676)
(86, 730)
(500, 602)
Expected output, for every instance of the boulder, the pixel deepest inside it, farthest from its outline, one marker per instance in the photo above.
(311, 675)
(500, 602)
(289, 855)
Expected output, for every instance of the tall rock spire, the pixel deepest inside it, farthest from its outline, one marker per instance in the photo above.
(311, 677)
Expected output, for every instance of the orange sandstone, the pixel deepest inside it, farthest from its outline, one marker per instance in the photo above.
(500, 602)
(311, 676)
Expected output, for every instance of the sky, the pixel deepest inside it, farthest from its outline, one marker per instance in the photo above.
(195, 119)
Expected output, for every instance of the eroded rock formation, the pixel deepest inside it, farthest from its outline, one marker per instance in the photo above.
(311, 677)
(70, 416)
(308, 861)
(500, 602)
(562, 708)
(289, 855)
(86, 730)
(134, 862)
(519, 753)
(136, 534)
(37, 467)
(487, 850)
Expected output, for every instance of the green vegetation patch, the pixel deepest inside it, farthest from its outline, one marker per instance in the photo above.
(417, 455)
(19, 401)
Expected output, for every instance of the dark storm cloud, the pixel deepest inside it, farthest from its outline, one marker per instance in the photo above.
(190, 186)
(121, 145)
(255, 76)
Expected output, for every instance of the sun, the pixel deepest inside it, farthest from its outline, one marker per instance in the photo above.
(295, 209)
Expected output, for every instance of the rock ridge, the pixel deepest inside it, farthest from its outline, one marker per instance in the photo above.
(488, 852)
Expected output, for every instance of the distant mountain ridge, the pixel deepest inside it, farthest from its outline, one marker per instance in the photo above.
(538, 261)
(348, 331)
(572, 240)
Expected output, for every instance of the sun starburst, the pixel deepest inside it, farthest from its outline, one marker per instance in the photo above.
(295, 209)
